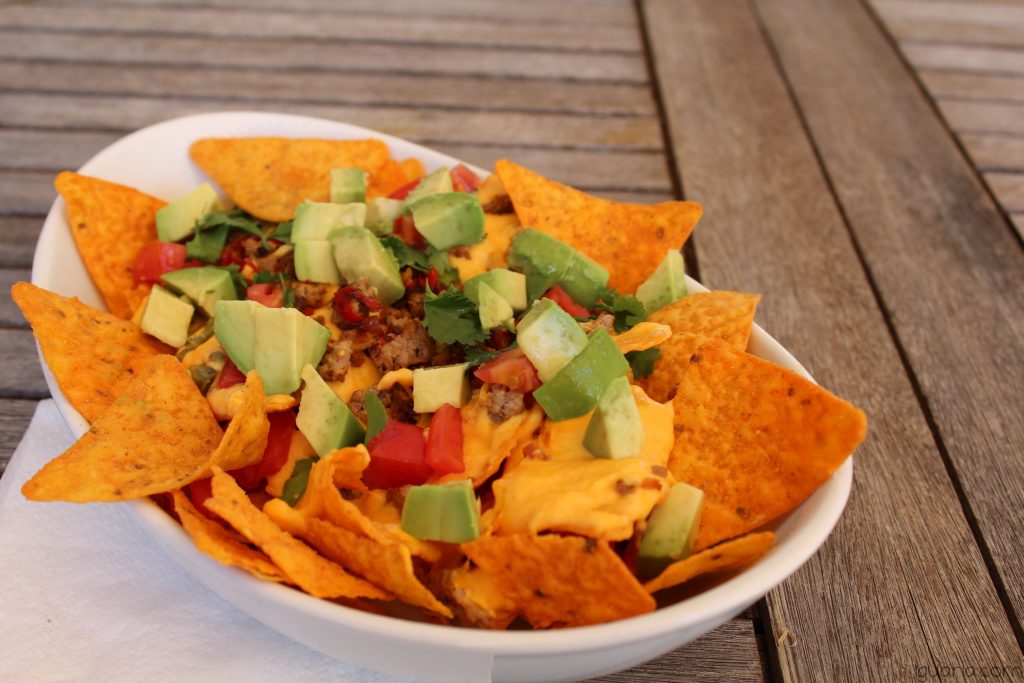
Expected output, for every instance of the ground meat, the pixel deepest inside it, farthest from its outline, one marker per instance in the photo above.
(503, 403)
(605, 320)
(397, 402)
(407, 343)
(414, 304)
(336, 361)
(312, 294)
(499, 204)
(281, 260)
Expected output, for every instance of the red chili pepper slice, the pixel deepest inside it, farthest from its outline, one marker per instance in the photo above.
(353, 305)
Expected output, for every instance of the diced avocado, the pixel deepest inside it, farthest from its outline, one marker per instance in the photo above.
(615, 429)
(671, 530)
(449, 220)
(314, 262)
(433, 387)
(359, 254)
(437, 182)
(177, 220)
(442, 512)
(348, 185)
(584, 280)
(233, 327)
(665, 285)
(316, 220)
(285, 342)
(167, 317)
(547, 261)
(508, 283)
(550, 338)
(381, 213)
(205, 286)
(323, 418)
(576, 389)
(494, 310)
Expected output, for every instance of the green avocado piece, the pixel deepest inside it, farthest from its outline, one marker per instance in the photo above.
(359, 254)
(205, 286)
(671, 530)
(381, 213)
(615, 429)
(323, 418)
(177, 220)
(550, 338)
(449, 220)
(547, 261)
(348, 185)
(577, 387)
(508, 283)
(442, 512)
(665, 285)
(495, 311)
(285, 342)
(433, 387)
(316, 220)
(584, 280)
(314, 262)
(437, 182)
(167, 317)
(233, 327)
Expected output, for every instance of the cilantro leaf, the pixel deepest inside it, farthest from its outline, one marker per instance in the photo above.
(283, 232)
(438, 260)
(628, 310)
(404, 254)
(236, 219)
(263, 277)
(286, 291)
(451, 317)
(478, 355)
(206, 245)
(376, 415)
(642, 362)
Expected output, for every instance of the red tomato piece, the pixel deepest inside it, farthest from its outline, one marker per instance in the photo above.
(157, 258)
(354, 305)
(275, 455)
(464, 180)
(444, 441)
(198, 492)
(268, 294)
(404, 190)
(562, 298)
(404, 228)
(397, 457)
(230, 375)
(511, 369)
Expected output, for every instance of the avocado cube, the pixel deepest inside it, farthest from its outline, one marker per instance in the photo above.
(166, 317)
(508, 283)
(543, 259)
(449, 220)
(314, 262)
(665, 285)
(204, 286)
(359, 254)
(494, 310)
(233, 327)
(436, 386)
(550, 338)
(316, 220)
(381, 213)
(324, 419)
(348, 185)
(436, 182)
(615, 429)
(442, 512)
(584, 280)
(577, 387)
(285, 342)
(177, 220)
(671, 530)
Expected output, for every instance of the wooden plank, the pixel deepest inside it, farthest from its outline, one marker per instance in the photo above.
(943, 261)
(10, 316)
(286, 85)
(320, 27)
(994, 152)
(1018, 223)
(421, 125)
(20, 374)
(973, 86)
(336, 57)
(1008, 189)
(15, 415)
(987, 60)
(18, 236)
(23, 192)
(954, 33)
(986, 117)
(866, 606)
(964, 13)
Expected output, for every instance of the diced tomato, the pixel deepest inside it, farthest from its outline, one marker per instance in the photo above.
(444, 441)
(562, 298)
(511, 369)
(157, 258)
(397, 457)
(230, 376)
(433, 280)
(268, 294)
(198, 492)
(404, 190)
(404, 228)
(464, 180)
(275, 455)
(354, 305)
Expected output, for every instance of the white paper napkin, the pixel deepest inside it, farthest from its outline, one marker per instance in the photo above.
(86, 595)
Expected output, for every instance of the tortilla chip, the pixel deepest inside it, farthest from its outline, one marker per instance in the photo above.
(222, 544)
(309, 571)
(156, 437)
(477, 600)
(269, 177)
(322, 498)
(391, 176)
(93, 355)
(696, 319)
(387, 565)
(756, 438)
(111, 223)
(642, 336)
(561, 580)
(729, 555)
(246, 436)
(628, 239)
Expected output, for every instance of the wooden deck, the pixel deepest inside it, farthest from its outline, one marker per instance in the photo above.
(861, 165)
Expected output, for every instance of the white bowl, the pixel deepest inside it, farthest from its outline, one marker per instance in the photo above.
(155, 160)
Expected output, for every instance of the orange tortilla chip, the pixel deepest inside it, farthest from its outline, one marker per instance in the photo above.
(756, 438)
(561, 580)
(111, 223)
(246, 436)
(392, 175)
(223, 545)
(729, 555)
(156, 437)
(309, 571)
(269, 177)
(696, 319)
(93, 355)
(476, 599)
(628, 239)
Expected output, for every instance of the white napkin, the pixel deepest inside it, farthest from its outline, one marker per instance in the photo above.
(86, 595)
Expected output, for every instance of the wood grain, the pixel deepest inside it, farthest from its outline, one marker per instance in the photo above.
(965, 58)
(954, 32)
(983, 117)
(963, 13)
(15, 415)
(18, 236)
(992, 152)
(901, 575)
(20, 374)
(1008, 189)
(10, 316)
(973, 86)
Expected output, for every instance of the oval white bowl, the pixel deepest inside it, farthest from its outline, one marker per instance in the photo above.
(155, 160)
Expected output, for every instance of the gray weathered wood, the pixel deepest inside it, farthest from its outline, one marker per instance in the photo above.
(18, 235)
(15, 415)
(901, 580)
(973, 86)
(10, 316)
(992, 152)
(20, 374)
(983, 117)
(26, 192)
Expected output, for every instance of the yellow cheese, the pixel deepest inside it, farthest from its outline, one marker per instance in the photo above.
(401, 376)
(499, 231)
(225, 403)
(358, 377)
(300, 449)
(642, 336)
